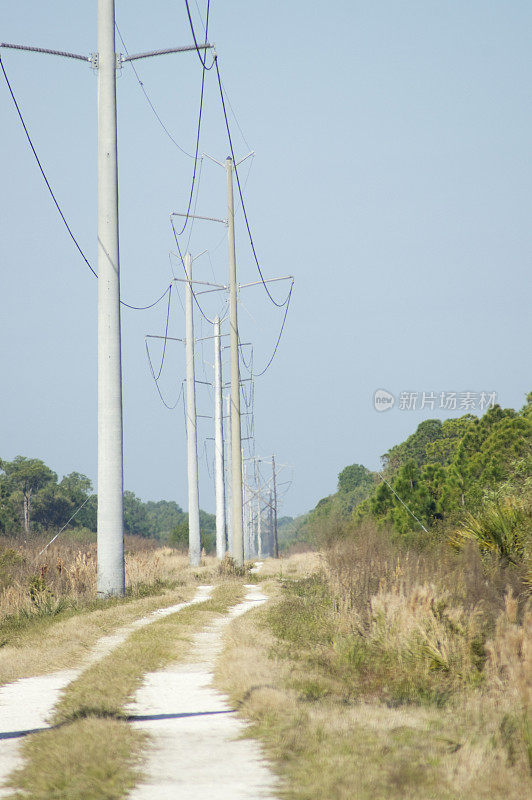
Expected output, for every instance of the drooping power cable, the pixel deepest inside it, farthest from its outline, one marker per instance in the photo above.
(47, 182)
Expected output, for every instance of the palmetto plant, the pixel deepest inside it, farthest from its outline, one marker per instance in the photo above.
(503, 527)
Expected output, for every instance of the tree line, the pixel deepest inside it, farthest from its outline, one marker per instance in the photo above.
(442, 474)
(33, 500)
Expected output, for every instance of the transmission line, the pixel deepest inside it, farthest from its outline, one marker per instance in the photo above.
(289, 297)
(47, 182)
(203, 314)
(205, 67)
(56, 202)
(273, 300)
(146, 95)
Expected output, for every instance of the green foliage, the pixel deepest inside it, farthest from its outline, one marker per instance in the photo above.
(179, 536)
(354, 477)
(440, 472)
(24, 477)
(413, 448)
(135, 515)
(32, 499)
(503, 526)
(163, 516)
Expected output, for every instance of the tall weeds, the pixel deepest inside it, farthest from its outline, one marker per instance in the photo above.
(64, 576)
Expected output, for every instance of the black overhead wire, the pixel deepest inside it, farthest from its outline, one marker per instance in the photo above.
(273, 300)
(165, 404)
(198, 132)
(205, 67)
(194, 171)
(289, 297)
(150, 363)
(61, 214)
(249, 366)
(148, 99)
(37, 159)
(203, 314)
(145, 308)
(165, 337)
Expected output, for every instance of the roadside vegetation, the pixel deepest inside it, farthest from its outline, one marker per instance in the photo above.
(390, 673)
(33, 501)
(402, 665)
(50, 615)
(92, 751)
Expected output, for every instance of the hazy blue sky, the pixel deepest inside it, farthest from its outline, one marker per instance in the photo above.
(392, 177)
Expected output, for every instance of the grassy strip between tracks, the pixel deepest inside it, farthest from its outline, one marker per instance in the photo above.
(93, 753)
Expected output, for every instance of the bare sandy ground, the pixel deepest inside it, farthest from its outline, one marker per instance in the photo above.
(196, 751)
(26, 704)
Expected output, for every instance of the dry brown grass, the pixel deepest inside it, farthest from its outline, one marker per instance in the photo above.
(390, 674)
(324, 747)
(31, 583)
(92, 752)
(49, 615)
(296, 565)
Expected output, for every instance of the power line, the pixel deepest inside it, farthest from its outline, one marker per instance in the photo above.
(205, 67)
(167, 405)
(67, 226)
(203, 314)
(401, 501)
(279, 305)
(56, 202)
(65, 525)
(165, 337)
(198, 132)
(235, 118)
(198, 183)
(146, 95)
(152, 305)
(258, 374)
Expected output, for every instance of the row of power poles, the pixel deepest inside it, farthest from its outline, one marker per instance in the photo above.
(106, 61)
(111, 573)
(257, 501)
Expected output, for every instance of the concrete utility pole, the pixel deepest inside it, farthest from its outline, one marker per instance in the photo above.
(236, 443)
(270, 526)
(275, 538)
(194, 541)
(111, 579)
(259, 527)
(229, 481)
(219, 479)
(245, 512)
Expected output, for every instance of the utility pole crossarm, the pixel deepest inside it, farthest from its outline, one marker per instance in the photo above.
(167, 51)
(122, 59)
(197, 216)
(62, 53)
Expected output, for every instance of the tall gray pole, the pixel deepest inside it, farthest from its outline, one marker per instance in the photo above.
(270, 520)
(111, 579)
(275, 537)
(194, 541)
(259, 527)
(219, 444)
(245, 512)
(236, 444)
(229, 481)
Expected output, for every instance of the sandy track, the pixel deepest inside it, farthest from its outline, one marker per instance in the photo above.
(26, 704)
(195, 749)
